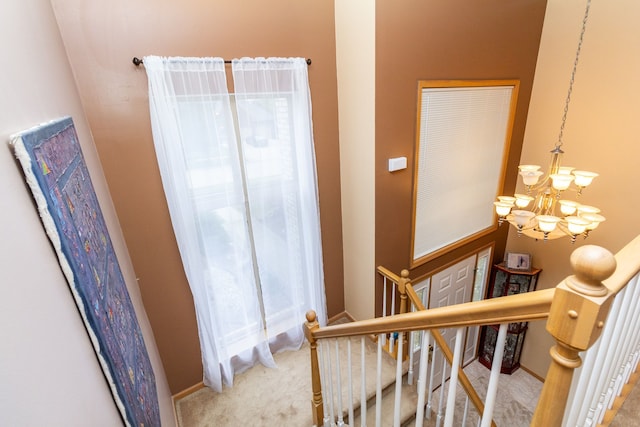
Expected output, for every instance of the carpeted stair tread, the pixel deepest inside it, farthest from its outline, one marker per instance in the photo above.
(388, 372)
(409, 399)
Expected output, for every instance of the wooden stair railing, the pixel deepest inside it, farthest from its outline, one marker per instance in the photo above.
(515, 308)
(609, 365)
(578, 312)
(448, 354)
(576, 309)
(406, 291)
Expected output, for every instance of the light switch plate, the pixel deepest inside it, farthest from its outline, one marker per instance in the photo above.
(397, 163)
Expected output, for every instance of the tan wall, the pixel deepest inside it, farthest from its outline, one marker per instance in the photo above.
(441, 39)
(49, 373)
(355, 49)
(101, 38)
(601, 132)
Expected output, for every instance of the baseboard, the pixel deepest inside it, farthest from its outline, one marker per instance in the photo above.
(533, 374)
(182, 394)
(340, 316)
(186, 392)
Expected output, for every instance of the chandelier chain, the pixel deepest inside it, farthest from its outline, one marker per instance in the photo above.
(573, 74)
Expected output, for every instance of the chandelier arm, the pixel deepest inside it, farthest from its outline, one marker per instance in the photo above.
(542, 184)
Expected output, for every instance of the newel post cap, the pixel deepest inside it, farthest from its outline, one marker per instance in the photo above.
(581, 303)
(310, 326)
(591, 265)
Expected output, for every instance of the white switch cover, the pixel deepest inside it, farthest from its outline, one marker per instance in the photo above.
(397, 163)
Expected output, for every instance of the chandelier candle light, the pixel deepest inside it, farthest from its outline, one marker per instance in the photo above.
(543, 213)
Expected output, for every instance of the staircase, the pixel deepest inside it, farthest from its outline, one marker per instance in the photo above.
(387, 384)
(515, 413)
(577, 313)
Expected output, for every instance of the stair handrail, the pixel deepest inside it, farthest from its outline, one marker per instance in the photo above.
(513, 308)
(628, 265)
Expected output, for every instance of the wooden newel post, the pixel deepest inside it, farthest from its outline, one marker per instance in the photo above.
(579, 309)
(402, 290)
(316, 386)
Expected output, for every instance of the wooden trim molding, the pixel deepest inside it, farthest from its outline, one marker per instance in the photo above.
(427, 243)
(186, 392)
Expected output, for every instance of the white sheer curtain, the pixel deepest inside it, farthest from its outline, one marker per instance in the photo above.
(245, 215)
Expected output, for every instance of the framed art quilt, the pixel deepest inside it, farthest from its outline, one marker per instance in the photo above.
(55, 171)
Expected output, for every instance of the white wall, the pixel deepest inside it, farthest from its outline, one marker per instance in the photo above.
(355, 60)
(601, 132)
(49, 374)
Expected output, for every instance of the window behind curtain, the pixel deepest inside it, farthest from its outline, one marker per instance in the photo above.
(241, 187)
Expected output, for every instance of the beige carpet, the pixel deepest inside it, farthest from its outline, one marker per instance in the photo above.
(264, 397)
(515, 402)
(260, 396)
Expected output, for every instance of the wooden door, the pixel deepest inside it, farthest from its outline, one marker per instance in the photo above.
(453, 285)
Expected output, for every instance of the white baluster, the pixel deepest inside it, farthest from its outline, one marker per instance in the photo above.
(600, 361)
(398, 397)
(330, 383)
(620, 346)
(392, 337)
(422, 376)
(339, 386)
(466, 412)
(441, 395)
(384, 306)
(494, 377)
(617, 386)
(326, 384)
(588, 420)
(628, 340)
(363, 385)
(394, 290)
(431, 377)
(600, 408)
(594, 378)
(350, 370)
(379, 385)
(596, 387)
(453, 380)
(579, 392)
(411, 344)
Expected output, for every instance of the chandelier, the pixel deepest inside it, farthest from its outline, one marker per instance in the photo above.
(545, 212)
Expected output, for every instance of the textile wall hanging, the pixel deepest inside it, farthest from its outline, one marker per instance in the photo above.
(54, 168)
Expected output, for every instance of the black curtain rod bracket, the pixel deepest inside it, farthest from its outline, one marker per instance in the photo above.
(137, 61)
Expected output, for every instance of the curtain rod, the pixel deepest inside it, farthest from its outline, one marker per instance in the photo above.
(137, 61)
